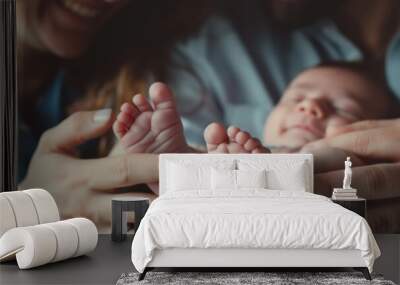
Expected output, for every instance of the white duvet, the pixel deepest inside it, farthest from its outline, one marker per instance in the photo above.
(250, 219)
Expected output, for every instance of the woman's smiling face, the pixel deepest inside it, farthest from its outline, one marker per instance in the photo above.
(66, 27)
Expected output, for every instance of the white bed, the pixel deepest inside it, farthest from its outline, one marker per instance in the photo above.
(197, 222)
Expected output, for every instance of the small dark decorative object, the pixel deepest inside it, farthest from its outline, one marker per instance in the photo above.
(120, 207)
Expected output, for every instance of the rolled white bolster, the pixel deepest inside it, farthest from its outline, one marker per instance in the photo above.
(7, 218)
(23, 208)
(46, 207)
(40, 244)
(33, 246)
(31, 232)
(87, 233)
(67, 239)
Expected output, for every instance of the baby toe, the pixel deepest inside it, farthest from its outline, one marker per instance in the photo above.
(141, 103)
(215, 134)
(130, 110)
(119, 129)
(232, 131)
(242, 137)
(161, 96)
(125, 119)
(251, 144)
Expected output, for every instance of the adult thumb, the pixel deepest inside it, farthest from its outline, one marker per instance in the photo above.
(76, 129)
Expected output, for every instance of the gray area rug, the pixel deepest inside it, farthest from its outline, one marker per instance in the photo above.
(229, 278)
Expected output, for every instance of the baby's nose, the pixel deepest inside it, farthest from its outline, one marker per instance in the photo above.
(312, 107)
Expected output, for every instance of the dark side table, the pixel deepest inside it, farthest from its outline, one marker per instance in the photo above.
(358, 206)
(120, 207)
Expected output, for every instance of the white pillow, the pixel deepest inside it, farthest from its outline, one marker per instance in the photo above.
(292, 178)
(287, 174)
(187, 174)
(181, 177)
(223, 179)
(251, 178)
(228, 179)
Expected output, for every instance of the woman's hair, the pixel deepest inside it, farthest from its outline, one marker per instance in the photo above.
(136, 43)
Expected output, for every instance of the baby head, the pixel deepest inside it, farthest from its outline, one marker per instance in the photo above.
(322, 98)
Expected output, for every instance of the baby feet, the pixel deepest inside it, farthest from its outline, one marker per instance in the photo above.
(151, 126)
(233, 140)
(154, 126)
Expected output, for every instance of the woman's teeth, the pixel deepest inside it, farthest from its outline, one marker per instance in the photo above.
(80, 9)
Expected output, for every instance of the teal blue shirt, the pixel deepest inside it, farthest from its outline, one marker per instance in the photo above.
(392, 65)
(236, 73)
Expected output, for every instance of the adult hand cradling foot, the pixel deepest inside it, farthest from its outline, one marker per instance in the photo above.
(55, 166)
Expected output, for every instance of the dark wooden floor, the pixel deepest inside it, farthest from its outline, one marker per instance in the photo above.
(103, 266)
(106, 264)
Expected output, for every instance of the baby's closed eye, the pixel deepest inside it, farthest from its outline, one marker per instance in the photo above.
(347, 109)
(293, 97)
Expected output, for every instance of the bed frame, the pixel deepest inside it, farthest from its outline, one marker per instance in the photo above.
(246, 258)
(242, 259)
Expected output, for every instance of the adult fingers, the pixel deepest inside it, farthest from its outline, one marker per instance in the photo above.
(377, 181)
(382, 144)
(75, 130)
(363, 125)
(120, 170)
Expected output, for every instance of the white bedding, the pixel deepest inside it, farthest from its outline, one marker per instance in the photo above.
(250, 218)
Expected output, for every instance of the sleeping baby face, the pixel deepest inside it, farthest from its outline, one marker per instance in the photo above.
(320, 99)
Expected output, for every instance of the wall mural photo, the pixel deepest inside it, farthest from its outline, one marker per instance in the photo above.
(105, 86)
